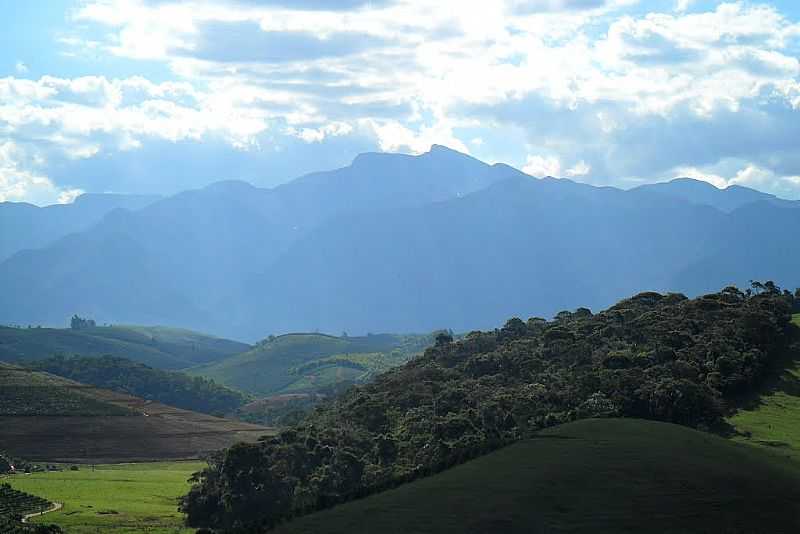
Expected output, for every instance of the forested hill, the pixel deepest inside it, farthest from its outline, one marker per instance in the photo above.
(653, 356)
(119, 374)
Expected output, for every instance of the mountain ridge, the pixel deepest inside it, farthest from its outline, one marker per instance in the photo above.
(392, 242)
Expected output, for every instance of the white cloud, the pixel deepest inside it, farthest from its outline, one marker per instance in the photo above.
(581, 80)
(541, 166)
(20, 67)
(20, 184)
(749, 175)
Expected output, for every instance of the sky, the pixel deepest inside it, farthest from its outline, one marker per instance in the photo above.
(159, 96)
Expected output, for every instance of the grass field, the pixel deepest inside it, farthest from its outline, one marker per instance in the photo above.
(597, 475)
(121, 499)
(772, 419)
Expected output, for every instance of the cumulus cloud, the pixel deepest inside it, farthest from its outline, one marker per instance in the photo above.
(586, 89)
(19, 183)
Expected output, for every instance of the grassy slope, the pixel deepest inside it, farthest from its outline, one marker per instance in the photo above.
(28, 393)
(597, 475)
(144, 497)
(269, 368)
(161, 347)
(772, 419)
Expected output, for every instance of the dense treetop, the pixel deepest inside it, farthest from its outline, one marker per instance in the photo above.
(661, 357)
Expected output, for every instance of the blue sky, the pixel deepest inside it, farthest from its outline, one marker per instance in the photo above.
(161, 95)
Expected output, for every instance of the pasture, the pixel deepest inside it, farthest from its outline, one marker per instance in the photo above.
(122, 499)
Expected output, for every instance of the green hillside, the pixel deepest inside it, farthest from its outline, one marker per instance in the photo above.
(771, 418)
(595, 475)
(300, 363)
(160, 347)
(652, 356)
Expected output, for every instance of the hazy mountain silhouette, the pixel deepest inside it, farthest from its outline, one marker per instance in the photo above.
(398, 243)
(25, 226)
(729, 199)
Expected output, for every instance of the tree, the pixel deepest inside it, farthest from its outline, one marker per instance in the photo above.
(443, 338)
(79, 323)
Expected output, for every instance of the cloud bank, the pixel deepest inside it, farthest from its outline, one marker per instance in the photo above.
(599, 91)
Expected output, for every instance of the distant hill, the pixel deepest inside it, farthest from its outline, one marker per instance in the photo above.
(53, 419)
(160, 347)
(124, 376)
(299, 363)
(596, 475)
(25, 226)
(729, 199)
(398, 243)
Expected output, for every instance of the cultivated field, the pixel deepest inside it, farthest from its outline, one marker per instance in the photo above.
(123, 499)
(108, 427)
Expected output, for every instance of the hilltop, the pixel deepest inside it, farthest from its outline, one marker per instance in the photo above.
(596, 475)
(156, 346)
(311, 362)
(49, 418)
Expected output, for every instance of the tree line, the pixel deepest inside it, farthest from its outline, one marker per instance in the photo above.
(126, 376)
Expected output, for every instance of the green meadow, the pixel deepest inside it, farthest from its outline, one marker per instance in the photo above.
(772, 417)
(121, 499)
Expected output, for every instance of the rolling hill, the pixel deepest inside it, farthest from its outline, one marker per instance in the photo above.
(661, 357)
(595, 475)
(301, 363)
(49, 418)
(159, 347)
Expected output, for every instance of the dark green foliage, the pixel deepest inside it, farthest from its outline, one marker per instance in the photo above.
(16, 504)
(172, 388)
(79, 323)
(653, 356)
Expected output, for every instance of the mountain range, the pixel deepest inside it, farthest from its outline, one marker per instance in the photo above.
(390, 243)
